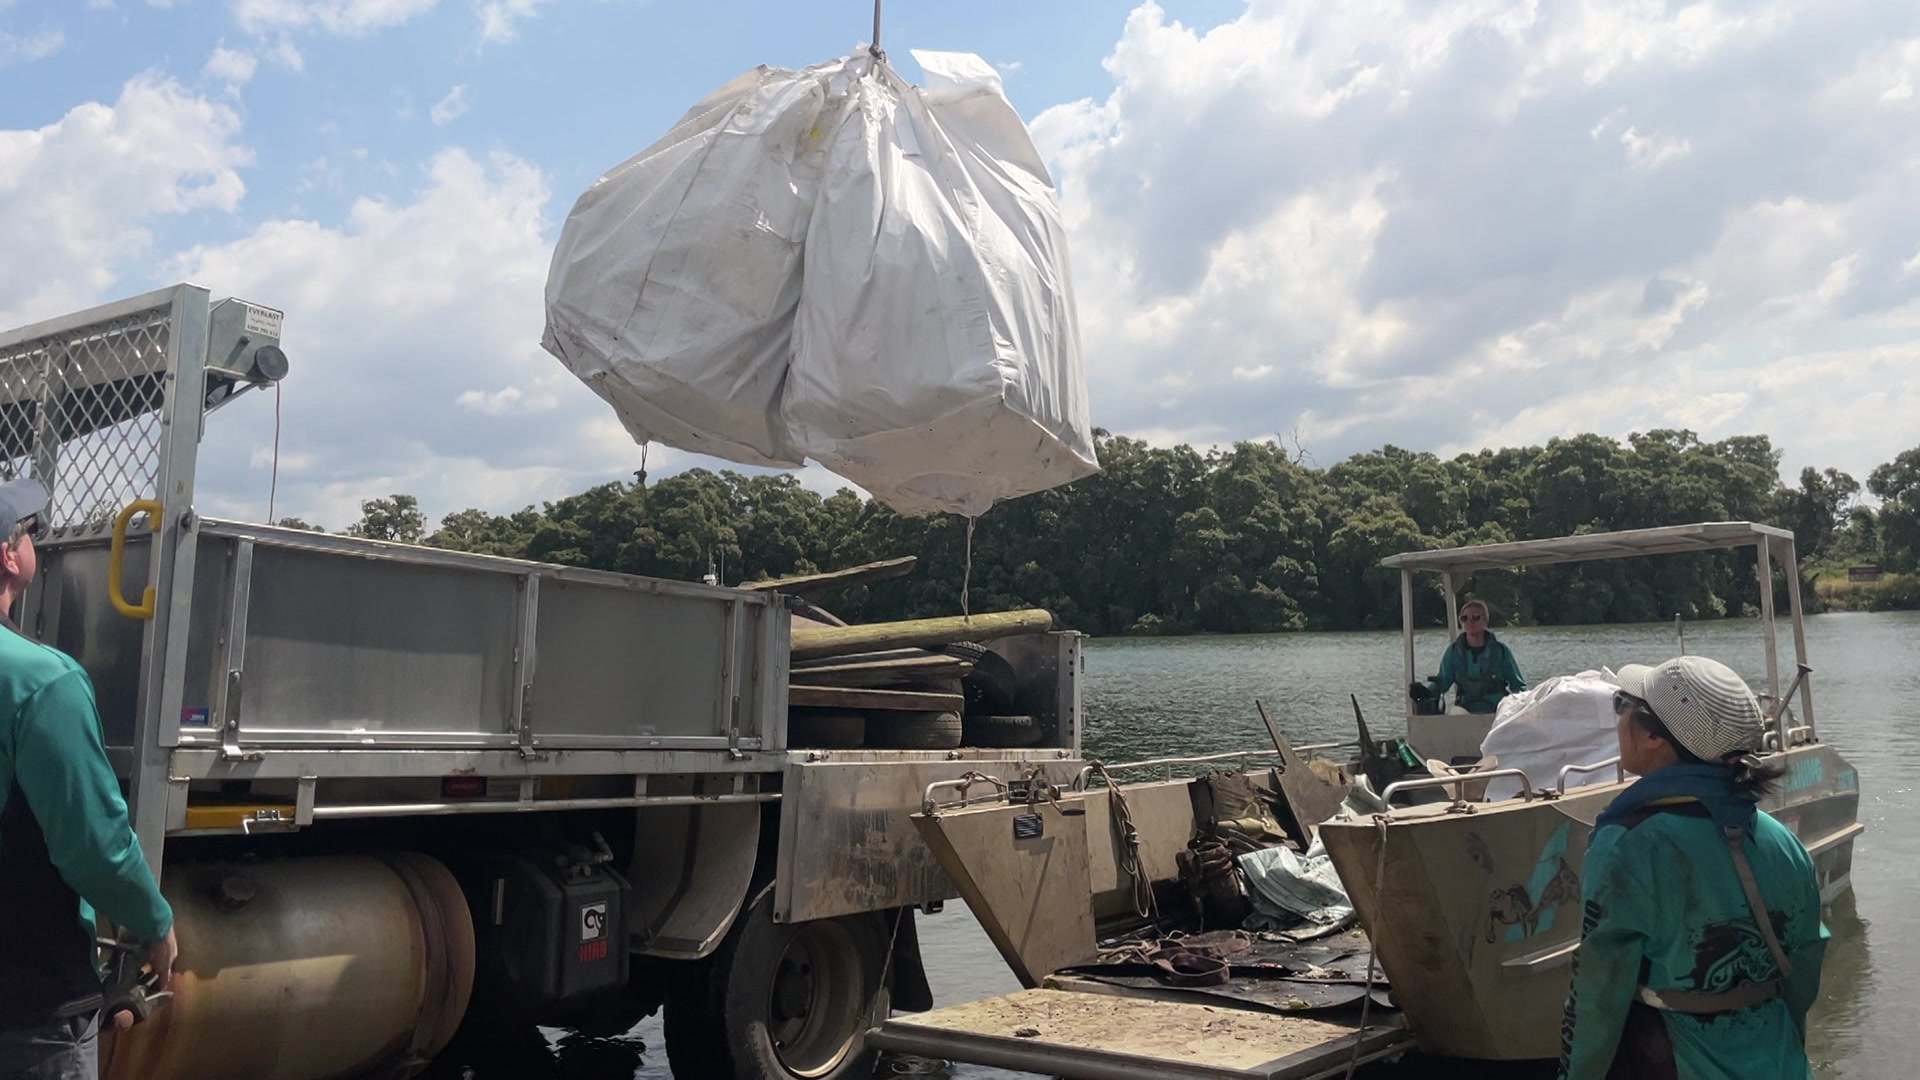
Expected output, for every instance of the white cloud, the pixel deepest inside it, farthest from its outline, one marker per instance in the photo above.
(1465, 222)
(500, 19)
(17, 48)
(450, 108)
(413, 328)
(347, 18)
(232, 67)
(82, 193)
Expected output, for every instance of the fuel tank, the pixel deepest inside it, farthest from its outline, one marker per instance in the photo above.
(306, 968)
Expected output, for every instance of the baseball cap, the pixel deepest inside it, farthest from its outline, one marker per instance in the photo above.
(1708, 708)
(20, 500)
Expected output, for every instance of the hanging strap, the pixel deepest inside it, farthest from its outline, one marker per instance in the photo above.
(1764, 921)
(1740, 997)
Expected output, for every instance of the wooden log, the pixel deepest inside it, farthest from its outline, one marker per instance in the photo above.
(837, 640)
(846, 697)
(811, 584)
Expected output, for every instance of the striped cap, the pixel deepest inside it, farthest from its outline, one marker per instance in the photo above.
(1707, 707)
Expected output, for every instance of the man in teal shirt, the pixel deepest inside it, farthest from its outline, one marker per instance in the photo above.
(66, 845)
(1478, 664)
(1677, 976)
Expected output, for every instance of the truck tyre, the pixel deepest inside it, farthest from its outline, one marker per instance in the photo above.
(1001, 731)
(783, 1001)
(914, 730)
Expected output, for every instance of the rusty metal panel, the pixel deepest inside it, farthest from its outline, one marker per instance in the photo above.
(847, 843)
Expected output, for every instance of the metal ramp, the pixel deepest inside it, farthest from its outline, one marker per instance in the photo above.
(1021, 857)
(1096, 1036)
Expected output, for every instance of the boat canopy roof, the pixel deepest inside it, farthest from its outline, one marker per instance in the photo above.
(1705, 536)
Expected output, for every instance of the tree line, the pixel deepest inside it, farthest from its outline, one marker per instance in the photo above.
(1247, 539)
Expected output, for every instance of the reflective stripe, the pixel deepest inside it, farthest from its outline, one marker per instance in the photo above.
(1687, 1001)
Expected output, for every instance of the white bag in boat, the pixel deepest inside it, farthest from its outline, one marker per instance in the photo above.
(936, 353)
(673, 285)
(1566, 720)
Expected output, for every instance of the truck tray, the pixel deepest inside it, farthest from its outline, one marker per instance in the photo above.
(1097, 1036)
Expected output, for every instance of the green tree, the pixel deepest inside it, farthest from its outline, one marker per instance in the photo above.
(396, 517)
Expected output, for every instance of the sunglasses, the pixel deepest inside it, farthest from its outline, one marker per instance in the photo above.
(29, 528)
(1625, 702)
(1473, 617)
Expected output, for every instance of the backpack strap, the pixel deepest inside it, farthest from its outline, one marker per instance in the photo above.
(1736, 847)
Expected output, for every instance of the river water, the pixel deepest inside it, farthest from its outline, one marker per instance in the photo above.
(1155, 697)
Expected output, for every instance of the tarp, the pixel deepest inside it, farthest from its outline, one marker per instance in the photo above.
(834, 264)
(936, 354)
(1566, 720)
(673, 286)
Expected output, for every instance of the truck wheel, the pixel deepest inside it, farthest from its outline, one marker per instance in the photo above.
(787, 1001)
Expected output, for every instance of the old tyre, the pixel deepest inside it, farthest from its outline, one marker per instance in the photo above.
(783, 1001)
(992, 685)
(821, 730)
(914, 731)
(1001, 731)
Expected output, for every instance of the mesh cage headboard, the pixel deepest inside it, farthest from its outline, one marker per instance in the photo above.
(81, 407)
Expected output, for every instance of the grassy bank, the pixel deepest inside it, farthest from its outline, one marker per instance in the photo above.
(1894, 592)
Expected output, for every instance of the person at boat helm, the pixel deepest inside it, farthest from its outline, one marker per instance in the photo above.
(1701, 946)
(1477, 666)
(65, 842)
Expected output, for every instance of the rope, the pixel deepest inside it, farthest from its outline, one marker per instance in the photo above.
(1373, 943)
(1143, 903)
(966, 578)
(873, 48)
(273, 486)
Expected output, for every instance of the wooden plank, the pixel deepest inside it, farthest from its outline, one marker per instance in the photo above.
(862, 658)
(810, 584)
(834, 641)
(847, 697)
(1066, 1032)
(886, 672)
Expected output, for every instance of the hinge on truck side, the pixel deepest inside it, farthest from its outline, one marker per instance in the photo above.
(230, 724)
(733, 732)
(527, 752)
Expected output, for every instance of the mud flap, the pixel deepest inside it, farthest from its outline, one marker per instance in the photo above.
(1100, 1037)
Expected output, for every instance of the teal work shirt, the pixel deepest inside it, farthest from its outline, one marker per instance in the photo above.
(68, 844)
(1483, 676)
(1663, 903)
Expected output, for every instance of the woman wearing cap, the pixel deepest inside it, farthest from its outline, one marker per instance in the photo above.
(1675, 976)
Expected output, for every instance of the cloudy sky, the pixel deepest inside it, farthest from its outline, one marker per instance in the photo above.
(1436, 223)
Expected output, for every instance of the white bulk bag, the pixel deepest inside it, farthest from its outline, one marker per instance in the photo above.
(936, 354)
(673, 285)
(1566, 720)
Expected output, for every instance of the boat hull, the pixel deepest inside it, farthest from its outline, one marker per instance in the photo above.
(1475, 916)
